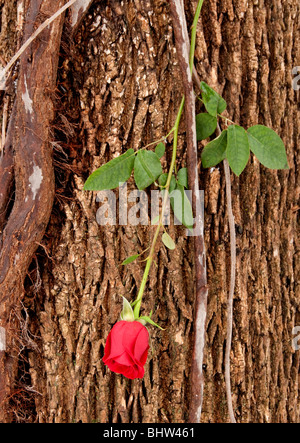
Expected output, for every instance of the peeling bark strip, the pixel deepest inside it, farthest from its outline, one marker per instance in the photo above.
(34, 180)
(2, 339)
(6, 171)
(197, 378)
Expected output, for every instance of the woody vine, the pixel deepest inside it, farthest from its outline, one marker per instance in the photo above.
(233, 146)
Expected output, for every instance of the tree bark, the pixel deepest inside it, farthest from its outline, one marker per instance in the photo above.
(119, 87)
(34, 185)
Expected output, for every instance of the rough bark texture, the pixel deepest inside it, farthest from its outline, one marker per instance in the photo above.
(34, 183)
(119, 87)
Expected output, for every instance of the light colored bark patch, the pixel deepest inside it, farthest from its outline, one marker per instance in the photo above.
(26, 99)
(2, 339)
(35, 180)
(75, 10)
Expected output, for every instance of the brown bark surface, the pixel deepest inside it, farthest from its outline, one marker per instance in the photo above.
(28, 138)
(120, 86)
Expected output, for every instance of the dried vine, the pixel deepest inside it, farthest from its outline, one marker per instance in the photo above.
(187, 64)
(231, 290)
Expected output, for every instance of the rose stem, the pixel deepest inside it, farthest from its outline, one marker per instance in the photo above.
(173, 163)
(194, 34)
(160, 224)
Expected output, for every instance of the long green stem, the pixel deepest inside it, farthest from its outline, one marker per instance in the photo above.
(172, 167)
(164, 204)
(157, 141)
(194, 33)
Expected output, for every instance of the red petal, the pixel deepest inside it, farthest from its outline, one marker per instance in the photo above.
(132, 330)
(130, 372)
(126, 349)
(144, 357)
(107, 347)
(142, 346)
(115, 336)
(125, 359)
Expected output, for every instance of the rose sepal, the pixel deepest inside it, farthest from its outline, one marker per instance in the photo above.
(127, 312)
(145, 319)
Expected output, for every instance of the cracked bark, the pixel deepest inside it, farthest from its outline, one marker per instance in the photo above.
(120, 87)
(34, 183)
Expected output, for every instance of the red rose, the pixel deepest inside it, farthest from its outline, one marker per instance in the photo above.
(126, 349)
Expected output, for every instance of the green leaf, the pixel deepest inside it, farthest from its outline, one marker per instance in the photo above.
(127, 313)
(268, 147)
(168, 241)
(148, 320)
(182, 177)
(238, 150)
(147, 168)
(160, 150)
(213, 102)
(130, 259)
(215, 151)
(110, 175)
(172, 184)
(182, 207)
(206, 125)
(162, 181)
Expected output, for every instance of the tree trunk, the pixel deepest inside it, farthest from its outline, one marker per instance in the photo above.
(119, 86)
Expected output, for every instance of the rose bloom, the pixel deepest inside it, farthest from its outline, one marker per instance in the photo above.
(126, 349)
